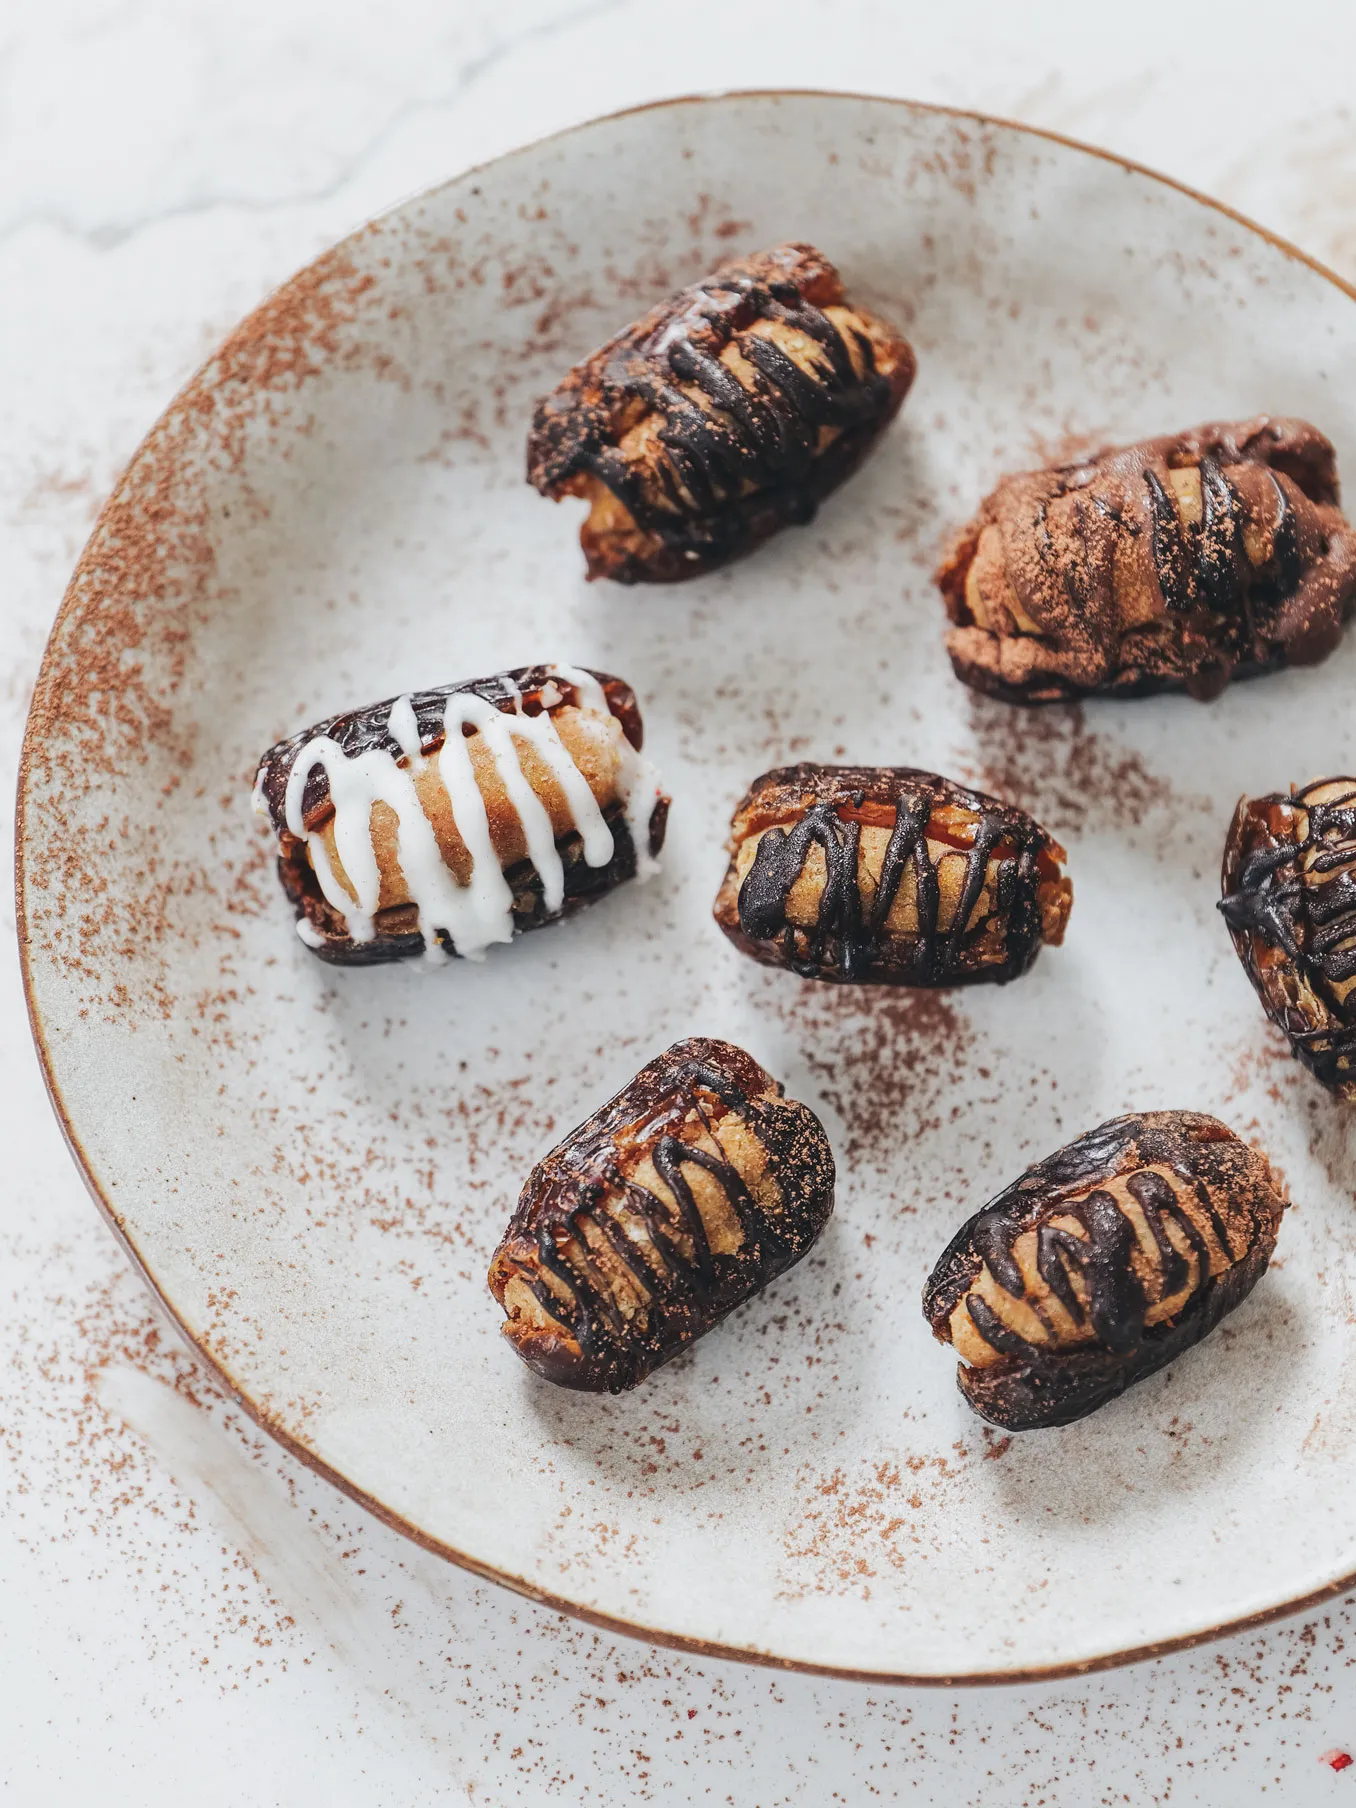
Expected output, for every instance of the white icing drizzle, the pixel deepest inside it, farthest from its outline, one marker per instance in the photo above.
(403, 729)
(637, 780)
(706, 305)
(476, 915)
(356, 783)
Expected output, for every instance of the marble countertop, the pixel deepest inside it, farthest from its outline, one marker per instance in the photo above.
(189, 1613)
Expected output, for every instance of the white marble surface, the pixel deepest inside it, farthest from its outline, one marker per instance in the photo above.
(187, 1613)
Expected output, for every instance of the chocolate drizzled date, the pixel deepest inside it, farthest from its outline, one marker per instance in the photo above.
(676, 1202)
(449, 819)
(726, 413)
(1102, 1264)
(885, 875)
(1175, 564)
(1289, 898)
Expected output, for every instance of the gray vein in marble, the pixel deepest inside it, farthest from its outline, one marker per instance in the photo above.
(110, 236)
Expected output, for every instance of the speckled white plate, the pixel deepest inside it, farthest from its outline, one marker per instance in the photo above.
(313, 1166)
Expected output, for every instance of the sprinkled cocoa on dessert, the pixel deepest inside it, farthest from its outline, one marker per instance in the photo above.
(1175, 564)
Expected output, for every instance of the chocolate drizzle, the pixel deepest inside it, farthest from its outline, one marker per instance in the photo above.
(737, 445)
(1289, 886)
(1168, 535)
(1210, 1208)
(590, 1331)
(850, 939)
(763, 436)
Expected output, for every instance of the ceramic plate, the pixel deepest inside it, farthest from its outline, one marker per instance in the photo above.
(313, 1165)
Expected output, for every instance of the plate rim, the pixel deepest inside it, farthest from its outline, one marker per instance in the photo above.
(258, 1414)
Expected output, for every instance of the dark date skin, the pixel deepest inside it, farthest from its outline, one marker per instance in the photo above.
(676, 1202)
(726, 413)
(1289, 898)
(1175, 564)
(1102, 1264)
(886, 875)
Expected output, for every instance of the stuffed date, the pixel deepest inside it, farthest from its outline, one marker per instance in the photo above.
(1175, 564)
(1289, 898)
(729, 411)
(886, 875)
(447, 820)
(674, 1203)
(1102, 1264)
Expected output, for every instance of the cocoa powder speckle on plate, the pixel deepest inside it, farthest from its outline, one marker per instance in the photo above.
(1056, 766)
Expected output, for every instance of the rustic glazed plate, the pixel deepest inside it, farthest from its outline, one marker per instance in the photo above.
(313, 1166)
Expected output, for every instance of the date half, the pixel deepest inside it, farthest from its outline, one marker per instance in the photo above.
(674, 1203)
(885, 875)
(1289, 898)
(1102, 1264)
(726, 413)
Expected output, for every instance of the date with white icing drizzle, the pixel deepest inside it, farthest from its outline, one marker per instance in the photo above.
(446, 821)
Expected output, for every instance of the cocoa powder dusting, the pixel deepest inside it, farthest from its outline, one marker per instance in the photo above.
(86, 1481)
(1069, 446)
(883, 1060)
(882, 1515)
(98, 881)
(1050, 763)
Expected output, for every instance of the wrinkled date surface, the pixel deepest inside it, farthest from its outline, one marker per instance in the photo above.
(676, 1202)
(887, 875)
(1101, 1264)
(1289, 898)
(726, 413)
(1175, 564)
(447, 820)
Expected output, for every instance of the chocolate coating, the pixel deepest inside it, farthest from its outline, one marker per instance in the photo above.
(1102, 1264)
(885, 875)
(726, 413)
(674, 1203)
(1175, 564)
(533, 690)
(1289, 898)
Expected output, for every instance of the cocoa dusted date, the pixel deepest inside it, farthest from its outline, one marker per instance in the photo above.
(1289, 898)
(885, 875)
(447, 820)
(729, 411)
(1102, 1264)
(674, 1203)
(1175, 564)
